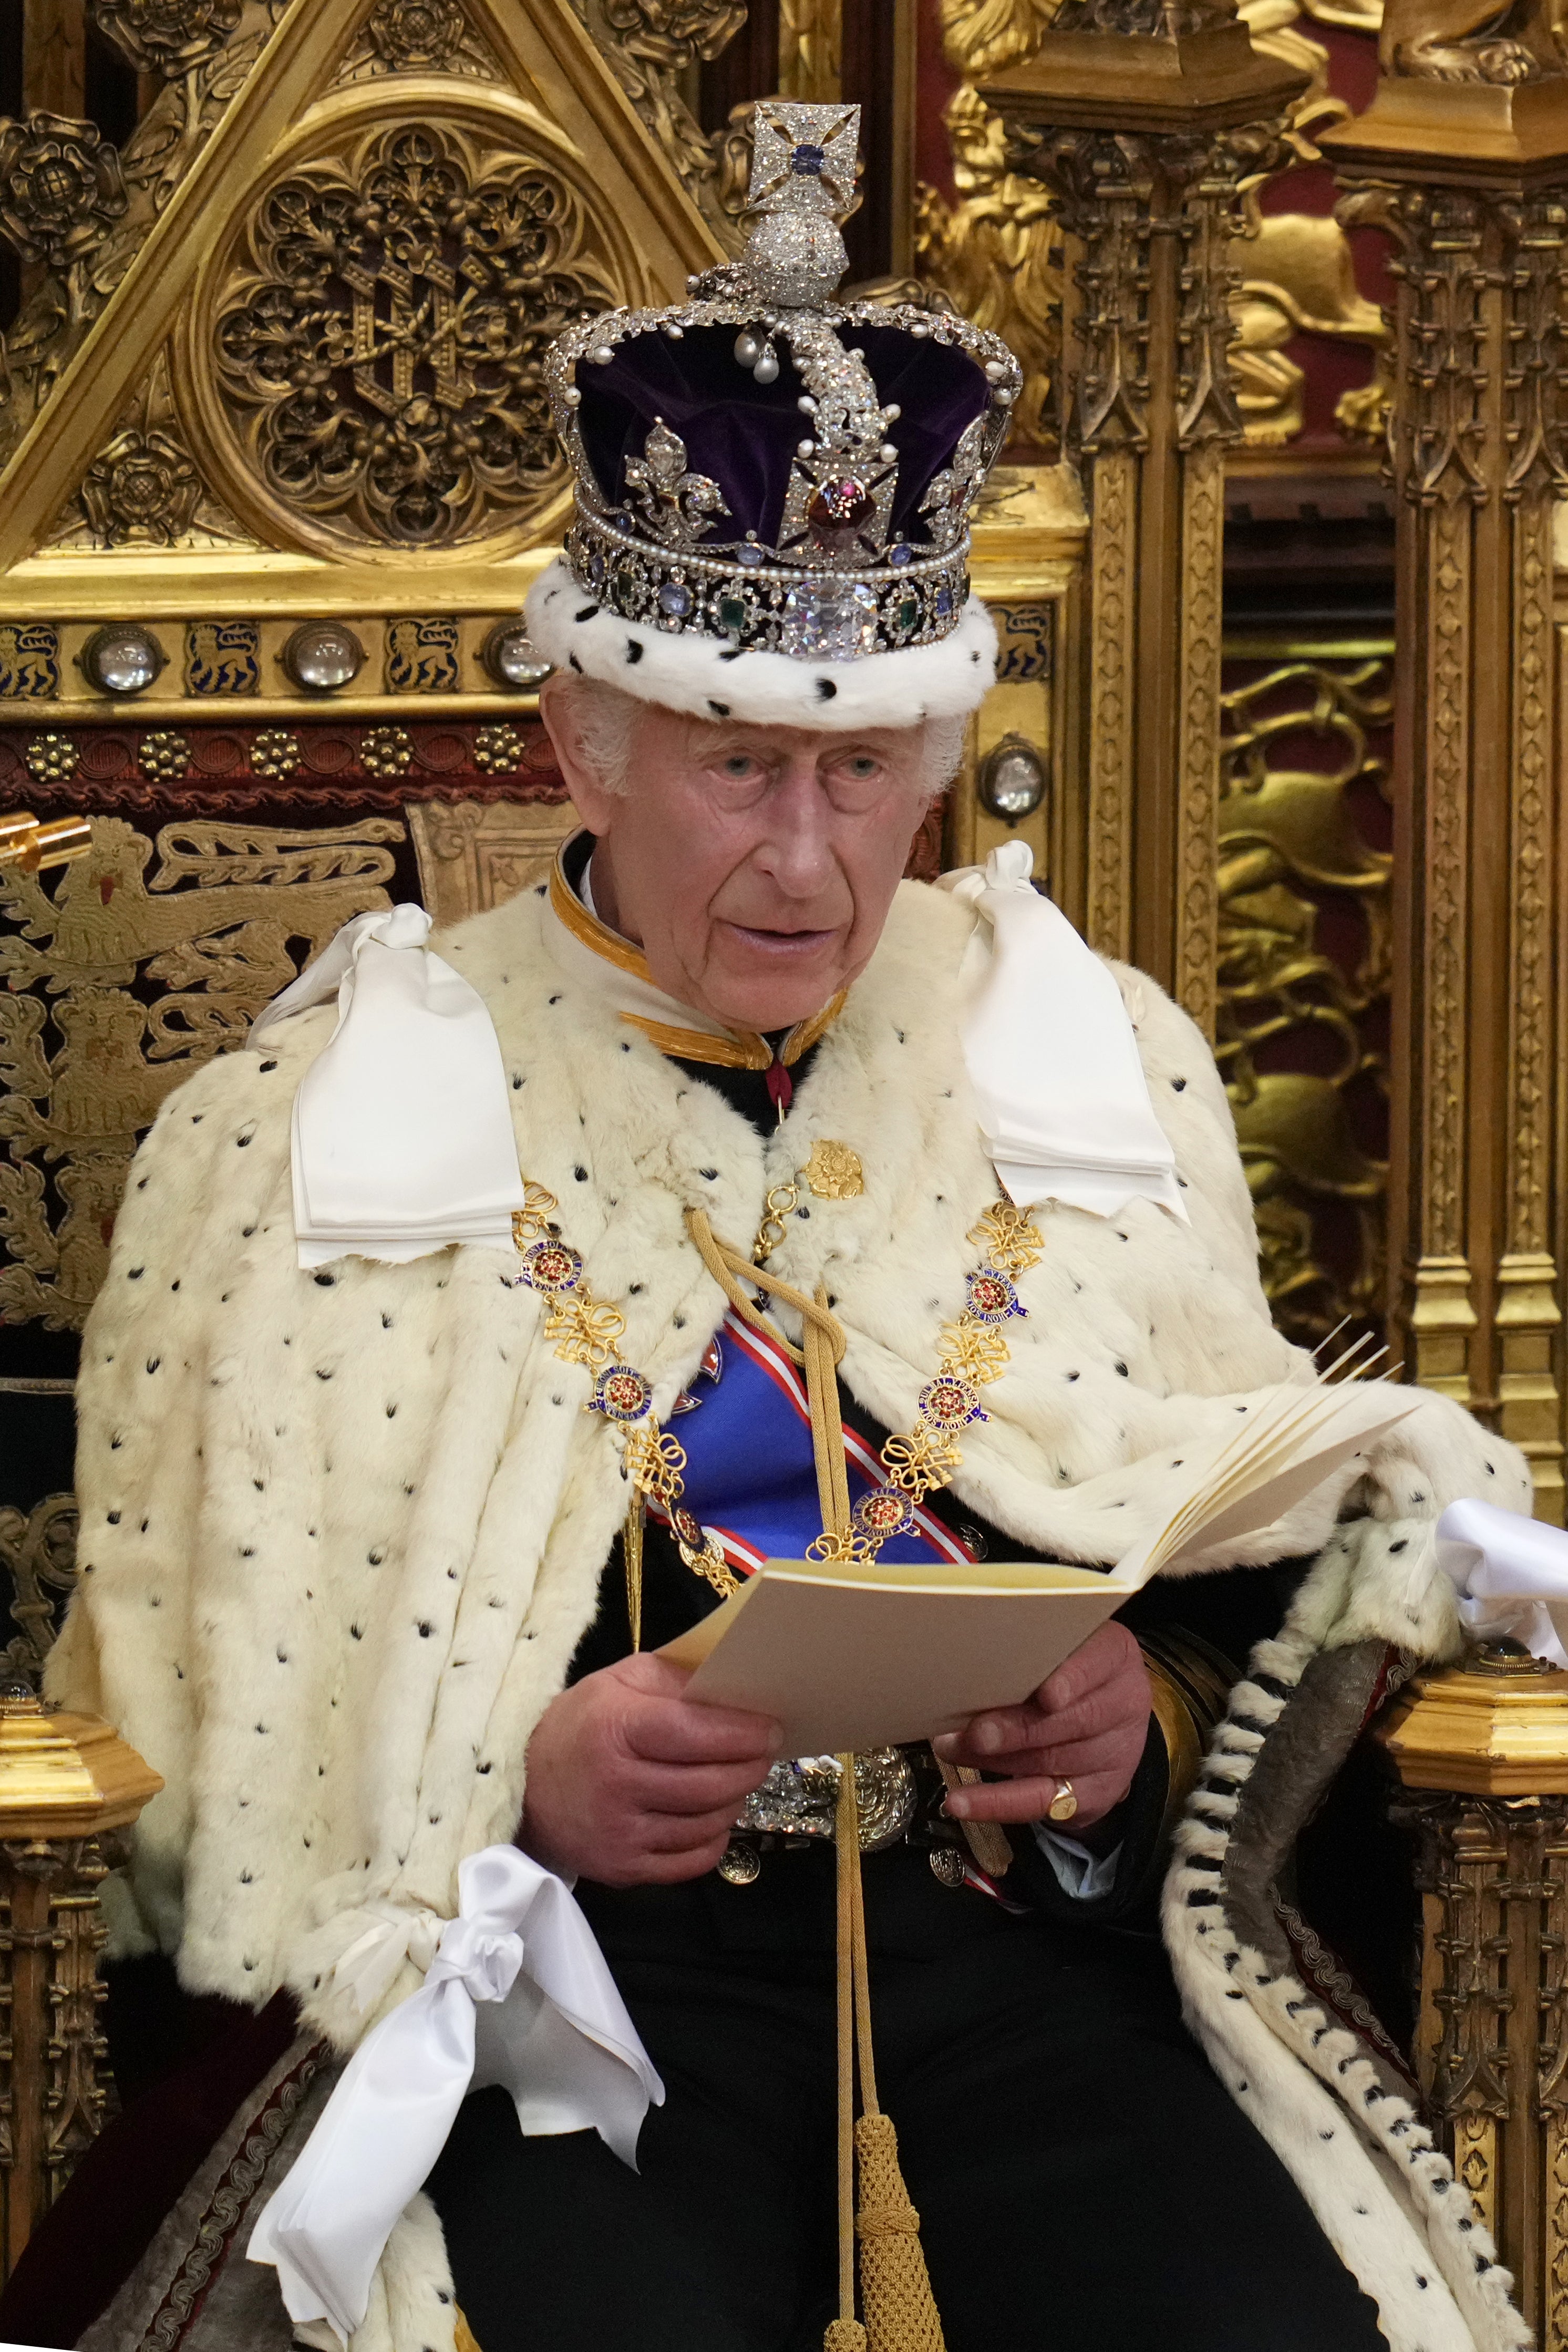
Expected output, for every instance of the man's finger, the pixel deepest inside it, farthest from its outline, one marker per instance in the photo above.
(1072, 1759)
(1031, 1800)
(1008, 1730)
(1109, 1651)
(691, 1789)
(677, 1833)
(674, 1731)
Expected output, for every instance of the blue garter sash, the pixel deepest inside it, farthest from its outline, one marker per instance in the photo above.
(751, 1478)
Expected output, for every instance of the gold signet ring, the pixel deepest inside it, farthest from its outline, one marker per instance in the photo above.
(1064, 1804)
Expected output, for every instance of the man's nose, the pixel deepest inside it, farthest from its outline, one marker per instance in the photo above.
(795, 850)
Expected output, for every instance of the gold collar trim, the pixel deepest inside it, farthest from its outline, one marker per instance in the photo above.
(735, 1049)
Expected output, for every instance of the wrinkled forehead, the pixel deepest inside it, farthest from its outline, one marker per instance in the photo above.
(776, 744)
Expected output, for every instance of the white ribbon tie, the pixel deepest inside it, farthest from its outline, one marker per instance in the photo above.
(402, 1138)
(517, 1993)
(1063, 1102)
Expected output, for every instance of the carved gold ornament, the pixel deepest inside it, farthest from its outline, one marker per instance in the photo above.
(208, 923)
(1288, 834)
(60, 190)
(498, 751)
(37, 1553)
(274, 752)
(417, 36)
(165, 757)
(387, 751)
(168, 37)
(51, 759)
(995, 253)
(652, 47)
(144, 486)
(409, 37)
(380, 332)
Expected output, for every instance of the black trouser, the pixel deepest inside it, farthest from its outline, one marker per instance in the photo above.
(1084, 2182)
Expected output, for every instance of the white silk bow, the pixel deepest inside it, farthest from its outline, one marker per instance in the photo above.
(1510, 1575)
(517, 1993)
(403, 1137)
(1063, 1102)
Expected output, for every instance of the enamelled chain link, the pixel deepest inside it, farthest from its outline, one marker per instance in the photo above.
(973, 1352)
(587, 1332)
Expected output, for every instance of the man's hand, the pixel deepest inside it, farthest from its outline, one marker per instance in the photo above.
(1087, 1724)
(632, 1784)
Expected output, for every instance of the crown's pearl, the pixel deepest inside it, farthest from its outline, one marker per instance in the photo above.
(601, 355)
(767, 368)
(806, 448)
(890, 453)
(748, 351)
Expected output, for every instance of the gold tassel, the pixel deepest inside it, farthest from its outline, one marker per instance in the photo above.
(895, 2286)
(900, 2312)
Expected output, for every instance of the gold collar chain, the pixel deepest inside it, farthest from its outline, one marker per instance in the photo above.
(973, 1352)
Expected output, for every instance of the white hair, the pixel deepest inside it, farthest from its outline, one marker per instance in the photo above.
(606, 719)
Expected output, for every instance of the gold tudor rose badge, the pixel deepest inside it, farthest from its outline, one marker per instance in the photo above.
(833, 1171)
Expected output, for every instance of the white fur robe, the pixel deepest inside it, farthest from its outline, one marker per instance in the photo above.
(342, 1531)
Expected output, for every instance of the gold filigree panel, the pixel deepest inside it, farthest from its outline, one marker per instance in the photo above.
(148, 956)
(1305, 969)
(370, 343)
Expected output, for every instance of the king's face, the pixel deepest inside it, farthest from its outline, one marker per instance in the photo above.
(755, 865)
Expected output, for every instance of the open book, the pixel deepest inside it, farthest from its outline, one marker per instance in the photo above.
(852, 1657)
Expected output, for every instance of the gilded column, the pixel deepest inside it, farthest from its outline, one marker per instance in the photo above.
(1146, 138)
(1469, 178)
(68, 1785)
(1483, 1755)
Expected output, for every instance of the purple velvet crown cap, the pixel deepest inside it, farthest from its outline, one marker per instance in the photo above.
(744, 434)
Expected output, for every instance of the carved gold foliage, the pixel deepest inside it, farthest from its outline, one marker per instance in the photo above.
(996, 252)
(810, 39)
(38, 1554)
(381, 331)
(1296, 745)
(652, 48)
(1465, 40)
(148, 958)
(419, 36)
(60, 190)
(168, 37)
(1298, 276)
(144, 487)
(77, 284)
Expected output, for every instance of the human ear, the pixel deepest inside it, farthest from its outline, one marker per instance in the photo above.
(560, 709)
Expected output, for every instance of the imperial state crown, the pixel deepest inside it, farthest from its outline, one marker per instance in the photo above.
(773, 484)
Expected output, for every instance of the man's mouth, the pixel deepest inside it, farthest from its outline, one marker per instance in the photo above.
(782, 946)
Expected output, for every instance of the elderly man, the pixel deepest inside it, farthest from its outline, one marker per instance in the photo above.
(448, 1366)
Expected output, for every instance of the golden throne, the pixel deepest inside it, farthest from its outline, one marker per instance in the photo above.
(262, 552)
